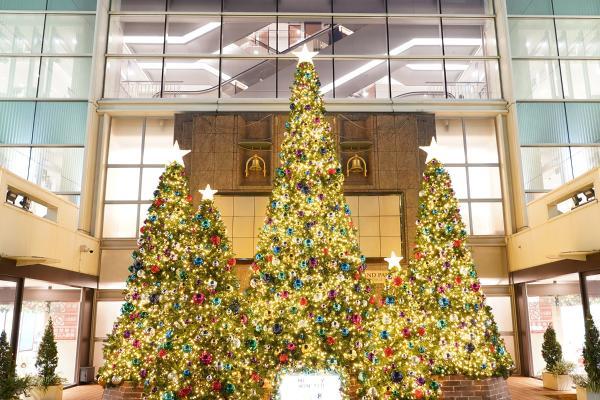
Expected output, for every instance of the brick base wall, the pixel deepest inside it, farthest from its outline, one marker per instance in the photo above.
(458, 387)
(126, 391)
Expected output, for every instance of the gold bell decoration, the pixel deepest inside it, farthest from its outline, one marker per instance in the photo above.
(256, 164)
(356, 165)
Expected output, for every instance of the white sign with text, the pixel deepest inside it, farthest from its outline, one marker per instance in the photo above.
(310, 387)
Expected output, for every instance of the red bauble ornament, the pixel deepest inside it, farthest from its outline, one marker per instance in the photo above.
(284, 295)
(331, 171)
(283, 358)
(143, 229)
(421, 331)
(185, 392)
(303, 301)
(457, 243)
(155, 269)
(199, 298)
(458, 279)
(215, 240)
(162, 353)
(419, 394)
(418, 255)
(330, 340)
(398, 281)
(269, 258)
(326, 251)
(388, 352)
(189, 198)
(373, 300)
(356, 275)
(231, 262)
(255, 377)
(217, 386)
(206, 358)
(291, 346)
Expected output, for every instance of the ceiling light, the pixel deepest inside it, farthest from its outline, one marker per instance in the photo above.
(188, 37)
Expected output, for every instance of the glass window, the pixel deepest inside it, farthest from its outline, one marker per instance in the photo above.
(194, 5)
(532, 37)
(361, 79)
(481, 140)
(537, 79)
(69, 34)
(125, 146)
(469, 37)
(541, 123)
(501, 306)
(417, 79)
(22, 5)
(536, 7)
(458, 175)
(487, 218)
(150, 177)
(133, 78)
(359, 36)
(138, 5)
(576, 7)
(250, 5)
(195, 34)
(473, 79)
(556, 301)
(57, 169)
(413, 6)
(107, 313)
(285, 77)
(315, 32)
(8, 293)
(545, 168)
(60, 123)
(191, 78)
(63, 308)
(484, 183)
(593, 289)
(120, 220)
(584, 159)
(19, 76)
(72, 5)
(415, 37)
(16, 121)
(467, 7)
(248, 78)
(133, 34)
(583, 120)
(15, 159)
(449, 136)
(580, 78)
(157, 138)
(359, 6)
(463, 208)
(122, 183)
(578, 37)
(249, 36)
(312, 6)
(65, 77)
(21, 33)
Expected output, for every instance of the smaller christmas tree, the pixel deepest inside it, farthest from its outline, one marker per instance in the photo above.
(551, 349)
(11, 386)
(47, 359)
(399, 346)
(591, 355)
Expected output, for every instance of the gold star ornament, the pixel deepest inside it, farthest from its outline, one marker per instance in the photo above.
(208, 193)
(304, 55)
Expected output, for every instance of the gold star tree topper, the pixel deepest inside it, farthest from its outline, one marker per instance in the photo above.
(208, 193)
(434, 151)
(304, 55)
(393, 260)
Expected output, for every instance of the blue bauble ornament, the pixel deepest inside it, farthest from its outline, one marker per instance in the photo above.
(198, 261)
(384, 335)
(205, 223)
(444, 302)
(345, 267)
(298, 284)
(397, 376)
(389, 300)
(277, 329)
(187, 373)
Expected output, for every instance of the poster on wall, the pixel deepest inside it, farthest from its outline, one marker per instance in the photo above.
(65, 317)
(540, 313)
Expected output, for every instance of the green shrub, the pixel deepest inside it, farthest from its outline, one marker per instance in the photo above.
(47, 359)
(11, 386)
(591, 355)
(551, 350)
(562, 368)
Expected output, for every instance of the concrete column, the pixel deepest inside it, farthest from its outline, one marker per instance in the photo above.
(508, 131)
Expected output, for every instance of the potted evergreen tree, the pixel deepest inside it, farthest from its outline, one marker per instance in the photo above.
(48, 384)
(556, 376)
(11, 386)
(589, 388)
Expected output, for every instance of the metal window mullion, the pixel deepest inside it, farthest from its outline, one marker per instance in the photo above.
(220, 77)
(389, 62)
(464, 134)
(137, 217)
(164, 50)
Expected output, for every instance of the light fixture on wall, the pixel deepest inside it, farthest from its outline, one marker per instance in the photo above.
(256, 164)
(25, 203)
(356, 165)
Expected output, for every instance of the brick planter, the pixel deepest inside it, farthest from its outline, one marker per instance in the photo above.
(126, 391)
(459, 387)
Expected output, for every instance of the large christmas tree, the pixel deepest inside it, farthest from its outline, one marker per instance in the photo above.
(152, 292)
(400, 345)
(448, 300)
(309, 295)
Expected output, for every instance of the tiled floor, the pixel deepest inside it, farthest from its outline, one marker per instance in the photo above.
(520, 388)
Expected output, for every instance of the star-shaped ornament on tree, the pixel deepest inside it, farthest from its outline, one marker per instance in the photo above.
(393, 260)
(434, 151)
(208, 193)
(304, 55)
(175, 154)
